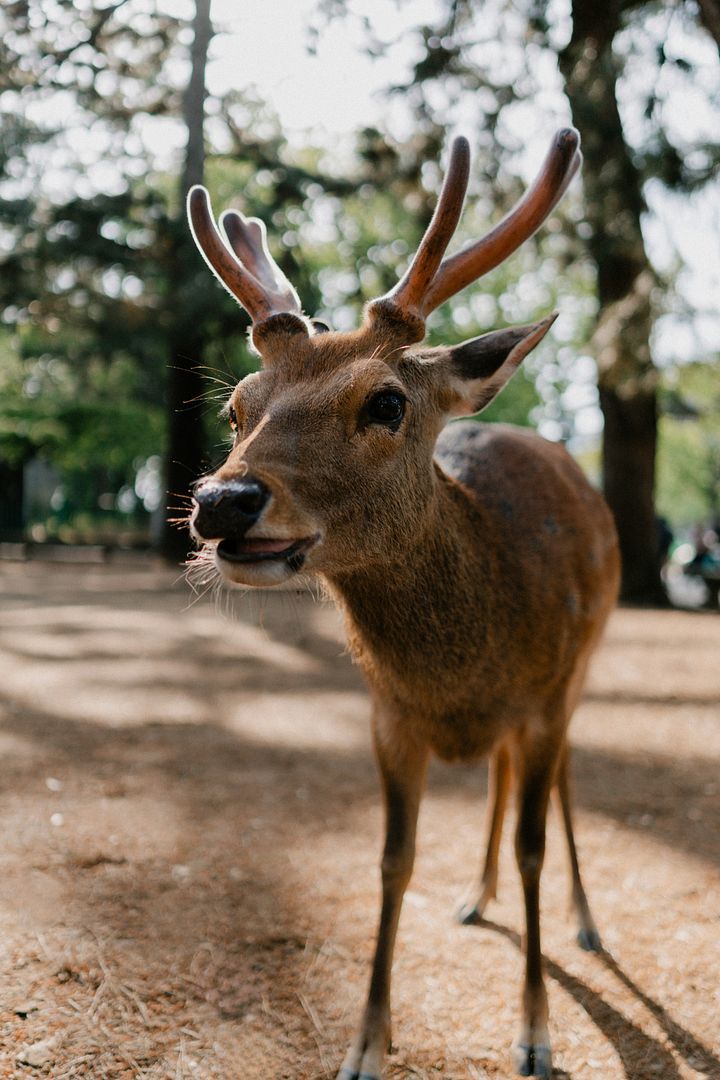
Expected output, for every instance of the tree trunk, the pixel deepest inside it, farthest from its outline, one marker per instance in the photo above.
(629, 469)
(626, 374)
(709, 11)
(185, 386)
(12, 520)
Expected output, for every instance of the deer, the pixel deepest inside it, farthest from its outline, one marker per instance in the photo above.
(474, 564)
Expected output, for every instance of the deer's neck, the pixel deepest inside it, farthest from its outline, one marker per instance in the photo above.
(421, 611)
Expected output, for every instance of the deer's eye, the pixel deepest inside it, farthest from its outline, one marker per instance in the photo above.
(386, 407)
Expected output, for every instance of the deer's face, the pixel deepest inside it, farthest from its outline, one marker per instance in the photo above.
(327, 472)
(331, 468)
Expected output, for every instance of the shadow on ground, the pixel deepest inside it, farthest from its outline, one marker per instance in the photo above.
(219, 831)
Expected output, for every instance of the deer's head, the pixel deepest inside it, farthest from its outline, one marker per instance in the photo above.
(331, 466)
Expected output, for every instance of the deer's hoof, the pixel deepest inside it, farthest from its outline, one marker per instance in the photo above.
(362, 1062)
(472, 912)
(589, 940)
(468, 915)
(533, 1060)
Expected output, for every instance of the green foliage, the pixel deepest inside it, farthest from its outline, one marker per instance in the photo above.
(688, 477)
(101, 288)
(89, 423)
(516, 404)
(88, 279)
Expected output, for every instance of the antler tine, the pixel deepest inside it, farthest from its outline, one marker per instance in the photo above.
(248, 239)
(409, 292)
(562, 162)
(254, 297)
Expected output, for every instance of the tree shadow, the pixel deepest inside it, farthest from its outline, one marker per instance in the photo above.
(211, 771)
(642, 1057)
(214, 769)
(170, 919)
(674, 799)
(659, 701)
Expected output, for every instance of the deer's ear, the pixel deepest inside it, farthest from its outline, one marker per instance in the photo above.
(478, 369)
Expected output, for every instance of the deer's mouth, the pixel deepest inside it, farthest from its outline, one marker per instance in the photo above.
(239, 550)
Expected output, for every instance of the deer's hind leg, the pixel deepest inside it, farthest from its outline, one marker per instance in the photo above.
(499, 781)
(588, 937)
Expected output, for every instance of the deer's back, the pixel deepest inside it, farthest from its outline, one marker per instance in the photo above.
(543, 546)
(539, 507)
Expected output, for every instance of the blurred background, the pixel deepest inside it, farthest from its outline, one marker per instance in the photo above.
(330, 119)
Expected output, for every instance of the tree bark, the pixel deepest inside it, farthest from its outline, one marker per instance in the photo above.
(185, 384)
(709, 11)
(12, 520)
(626, 375)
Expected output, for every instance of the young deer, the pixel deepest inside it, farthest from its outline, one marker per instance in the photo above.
(474, 564)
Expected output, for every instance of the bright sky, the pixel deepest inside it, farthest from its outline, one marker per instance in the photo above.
(265, 43)
(324, 97)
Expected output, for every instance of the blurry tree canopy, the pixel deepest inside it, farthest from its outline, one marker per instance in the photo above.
(80, 219)
(501, 57)
(118, 345)
(119, 342)
(689, 446)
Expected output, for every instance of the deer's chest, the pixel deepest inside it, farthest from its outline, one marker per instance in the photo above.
(460, 719)
(462, 736)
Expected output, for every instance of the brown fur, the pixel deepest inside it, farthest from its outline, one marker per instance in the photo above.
(495, 600)
(474, 588)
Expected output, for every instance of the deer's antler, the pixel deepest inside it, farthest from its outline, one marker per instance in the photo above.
(241, 261)
(561, 163)
(430, 279)
(240, 257)
(410, 291)
(248, 239)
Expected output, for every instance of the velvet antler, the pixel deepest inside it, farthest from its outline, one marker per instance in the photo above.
(241, 260)
(430, 279)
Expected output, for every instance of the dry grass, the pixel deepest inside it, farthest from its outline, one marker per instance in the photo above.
(191, 828)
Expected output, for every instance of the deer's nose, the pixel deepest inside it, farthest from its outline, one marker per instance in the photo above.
(228, 508)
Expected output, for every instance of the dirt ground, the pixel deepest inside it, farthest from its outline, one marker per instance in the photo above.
(190, 836)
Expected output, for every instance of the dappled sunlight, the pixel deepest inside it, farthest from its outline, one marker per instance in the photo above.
(192, 826)
(657, 671)
(334, 722)
(118, 667)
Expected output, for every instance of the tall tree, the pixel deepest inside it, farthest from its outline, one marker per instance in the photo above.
(78, 214)
(463, 57)
(186, 333)
(627, 377)
(629, 292)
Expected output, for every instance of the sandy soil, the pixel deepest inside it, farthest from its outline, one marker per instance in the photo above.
(191, 827)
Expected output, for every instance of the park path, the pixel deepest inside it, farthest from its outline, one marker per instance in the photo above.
(190, 833)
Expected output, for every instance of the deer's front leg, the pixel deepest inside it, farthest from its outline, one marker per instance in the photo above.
(402, 765)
